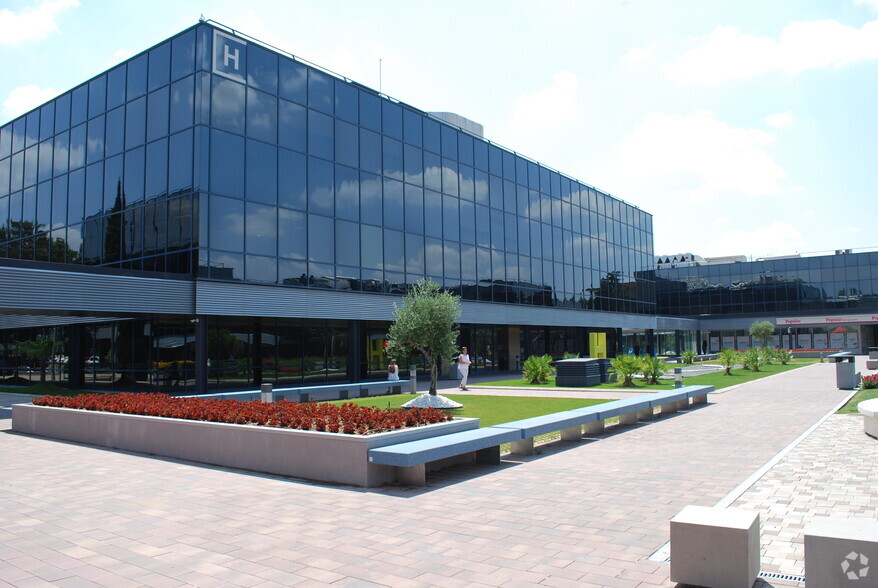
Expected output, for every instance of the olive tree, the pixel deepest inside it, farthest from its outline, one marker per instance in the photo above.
(762, 332)
(425, 323)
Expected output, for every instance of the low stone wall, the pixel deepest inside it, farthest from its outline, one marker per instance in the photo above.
(325, 457)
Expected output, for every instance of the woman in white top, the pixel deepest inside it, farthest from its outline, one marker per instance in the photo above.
(463, 363)
(393, 371)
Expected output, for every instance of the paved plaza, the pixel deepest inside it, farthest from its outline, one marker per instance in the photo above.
(577, 514)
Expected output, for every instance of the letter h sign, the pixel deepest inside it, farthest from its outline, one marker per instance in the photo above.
(229, 56)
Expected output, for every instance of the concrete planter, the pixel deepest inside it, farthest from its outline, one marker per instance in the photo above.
(326, 457)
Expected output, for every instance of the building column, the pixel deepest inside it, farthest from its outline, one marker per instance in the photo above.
(256, 352)
(74, 357)
(201, 355)
(355, 355)
(650, 341)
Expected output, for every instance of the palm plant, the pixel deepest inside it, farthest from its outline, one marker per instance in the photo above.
(653, 368)
(537, 369)
(625, 367)
(784, 356)
(728, 358)
(688, 356)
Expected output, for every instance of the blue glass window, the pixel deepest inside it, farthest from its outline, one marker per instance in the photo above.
(292, 234)
(371, 247)
(18, 133)
(347, 143)
(394, 251)
(414, 165)
(116, 87)
(482, 183)
(292, 125)
(75, 196)
(135, 123)
(261, 230)
(261, 116)
(394, 217)
(260, 269)
(115, 132)
(292, 179)
(137, 74)
(5, 141)
(346, 102)
(94, 189)
(226, 223)
(451, 253)
(157, 169)
(321, 239)
(432, 214)
(414, 254)
(183, 55)
(392, 158)
(449, 177)
(77, 146)
(370, 111)
(293, 81)
(113, 169)
(97, 96)
(16, 172)
(391, 119)
(157, 114)
(431, 135)
(180, 170)
(47, 121)
(320, 135)
(159, 66)
(433, 257)
(227, 105)
(468, 263)
(59, 203)
(414, 209)
(261, 172)
(44, 207)
(371, 209)
(134, 175)
(450, 218)
(411, 124)
(370, 151)
(227, 164)
(465, 148)
(62, 115)
(347, 243)
(183, 101)
(483, 226)
(467, 222)
(30, 166)
(261, 69)
(226, 266)
(79, 108)
(46, 163)
(449, 142)
(32, 133)
(320, 94)
(432, 172)
(321, 187)
(4, 184)
(347, 194)
(467, 183)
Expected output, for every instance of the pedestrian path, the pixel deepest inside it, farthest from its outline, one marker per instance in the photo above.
(588, 514)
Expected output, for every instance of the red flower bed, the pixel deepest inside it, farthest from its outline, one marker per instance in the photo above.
(348, 418)
(870, 382)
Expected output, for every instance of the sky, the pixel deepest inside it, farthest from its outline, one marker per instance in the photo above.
(744, 127)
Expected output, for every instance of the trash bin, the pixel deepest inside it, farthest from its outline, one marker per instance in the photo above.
(845, 370)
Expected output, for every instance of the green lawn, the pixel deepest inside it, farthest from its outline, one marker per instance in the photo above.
(717, 380)
(38, 389)
(491, 410)
(851, 406)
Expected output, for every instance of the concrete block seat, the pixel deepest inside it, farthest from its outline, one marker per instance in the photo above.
(411, 458)
(869, 410)
(841, 552)
(568, 422)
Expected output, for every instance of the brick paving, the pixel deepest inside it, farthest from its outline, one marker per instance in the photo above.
(578, 514)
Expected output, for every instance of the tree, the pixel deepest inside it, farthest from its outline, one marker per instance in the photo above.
(762, 332)
(425, 322)
(38, 350)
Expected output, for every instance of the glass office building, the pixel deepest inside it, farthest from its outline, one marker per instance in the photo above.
(214, 213)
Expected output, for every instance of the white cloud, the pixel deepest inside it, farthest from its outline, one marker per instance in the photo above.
(694, 158)
(636, 56)
(24, 98)
(32, 24)
(779, 119)
(727, 53)
(550, 106)
(777, 238)
(873, 4)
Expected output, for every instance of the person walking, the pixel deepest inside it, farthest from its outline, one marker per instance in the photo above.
(463, 363)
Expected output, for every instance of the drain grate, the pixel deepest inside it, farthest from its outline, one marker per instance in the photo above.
(776, 576)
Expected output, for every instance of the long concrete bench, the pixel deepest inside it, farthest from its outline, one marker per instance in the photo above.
(313, 393)
(869, 410)
(411, 458)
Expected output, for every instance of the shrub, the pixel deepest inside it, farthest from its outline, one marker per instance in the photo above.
(688, 356)
(653, 368)
(752, 359)
(784, 356)
(728, 358)
(766, 355)
(625, 367)
(870, 382)
(537, 369)
(347, 418)
(568, 355)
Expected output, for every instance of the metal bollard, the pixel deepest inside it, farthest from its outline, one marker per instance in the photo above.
(267, 394)
(413, 379)
(678, 377)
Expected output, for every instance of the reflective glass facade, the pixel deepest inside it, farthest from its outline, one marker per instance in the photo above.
(212, 156)
(829, 283)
